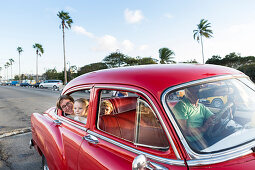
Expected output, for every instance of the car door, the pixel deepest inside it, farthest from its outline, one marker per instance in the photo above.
(72, 131)
(116, 138)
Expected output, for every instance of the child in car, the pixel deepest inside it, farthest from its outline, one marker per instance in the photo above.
(80, 110)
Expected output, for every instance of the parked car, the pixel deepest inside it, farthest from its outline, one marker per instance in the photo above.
(25, 84)
(14, 83)
(36, 85)
(145, 128)
(55, 84)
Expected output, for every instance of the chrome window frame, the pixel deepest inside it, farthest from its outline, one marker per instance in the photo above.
(115, 87)
(198, 159)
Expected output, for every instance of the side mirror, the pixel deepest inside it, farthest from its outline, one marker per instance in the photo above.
(139, 163)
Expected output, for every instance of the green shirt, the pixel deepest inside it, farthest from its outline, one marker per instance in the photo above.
(196, 116)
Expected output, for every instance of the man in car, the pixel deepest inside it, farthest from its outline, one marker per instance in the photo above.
(65, 103)
(193, 117)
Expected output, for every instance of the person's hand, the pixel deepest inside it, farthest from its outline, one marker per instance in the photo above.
(209, 122)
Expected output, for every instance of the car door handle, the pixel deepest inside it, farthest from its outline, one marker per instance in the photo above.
(91, 139)
(57, 122)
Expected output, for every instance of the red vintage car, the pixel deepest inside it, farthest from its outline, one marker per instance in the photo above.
(136, 120)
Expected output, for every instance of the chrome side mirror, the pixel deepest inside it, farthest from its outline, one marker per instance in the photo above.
(139, 163)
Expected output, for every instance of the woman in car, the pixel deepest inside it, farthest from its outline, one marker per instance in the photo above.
(65, 104)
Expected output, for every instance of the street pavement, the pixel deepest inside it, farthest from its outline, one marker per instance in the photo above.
(16, 106)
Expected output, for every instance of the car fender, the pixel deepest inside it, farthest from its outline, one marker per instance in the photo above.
(47, 137)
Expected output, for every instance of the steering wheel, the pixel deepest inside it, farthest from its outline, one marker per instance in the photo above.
(221, 120)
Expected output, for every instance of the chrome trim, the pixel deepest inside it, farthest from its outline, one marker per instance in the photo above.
(153, 157)
(76, 88)
(205, 159)
(154, 107)
(73, 124)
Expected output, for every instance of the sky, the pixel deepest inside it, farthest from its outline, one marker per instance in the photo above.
(133, 27)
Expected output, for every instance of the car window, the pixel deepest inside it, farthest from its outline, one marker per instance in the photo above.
(215, 116)
(80, 106)
(125, 115)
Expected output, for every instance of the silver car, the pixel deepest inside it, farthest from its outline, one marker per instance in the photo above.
(55, 84)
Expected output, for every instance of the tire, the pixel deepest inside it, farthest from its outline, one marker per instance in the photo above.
(41, 86)
(44, 163)
(218, 103)
(55, 87)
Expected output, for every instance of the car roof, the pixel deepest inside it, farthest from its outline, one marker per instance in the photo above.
(154, 78)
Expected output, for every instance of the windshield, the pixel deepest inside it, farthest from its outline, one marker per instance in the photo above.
(215, 116)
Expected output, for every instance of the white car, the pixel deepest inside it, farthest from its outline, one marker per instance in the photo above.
(55, 84)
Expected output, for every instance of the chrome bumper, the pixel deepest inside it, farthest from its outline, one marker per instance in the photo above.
(31, 143)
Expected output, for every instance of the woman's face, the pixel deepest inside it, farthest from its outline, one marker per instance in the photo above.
(67, 106)
(79, 109)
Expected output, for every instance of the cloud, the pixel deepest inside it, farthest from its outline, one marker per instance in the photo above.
(133, 17)
(81, 30)
(143, 47)
(106, 43)
(127, 45)
(169, 16)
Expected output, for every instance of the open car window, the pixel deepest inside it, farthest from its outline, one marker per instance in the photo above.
(215, 116)
(125, 115)
(80, 106)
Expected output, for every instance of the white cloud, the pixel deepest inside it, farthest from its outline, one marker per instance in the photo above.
(133, 16)
(143, 47)
(106, 43)
(169, 16)
(127, 45)
(81, 30)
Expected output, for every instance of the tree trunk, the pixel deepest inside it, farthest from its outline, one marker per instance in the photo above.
(65, 75)
(36, 67)
(202, 50)
(19, 70)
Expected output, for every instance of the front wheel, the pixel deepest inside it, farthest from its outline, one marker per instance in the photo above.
(218, 103)
(44, 163)
(41, 86)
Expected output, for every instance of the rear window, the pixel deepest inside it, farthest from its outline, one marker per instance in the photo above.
(128, 116)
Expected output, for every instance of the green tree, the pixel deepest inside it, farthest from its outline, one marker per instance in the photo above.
(146, 60)
(66, 22)
(39, 51)
(11, 61)
(203, 30)
(194, 61)
(216, 59)
(16, 77)
(115, 59)
(92, 67)
(52, 74)
(249, 70)
(20, 50)
(165, 56)
(6, 66)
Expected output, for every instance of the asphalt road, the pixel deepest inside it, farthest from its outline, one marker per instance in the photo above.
(16, 106)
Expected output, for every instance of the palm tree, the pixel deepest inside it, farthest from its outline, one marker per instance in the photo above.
(202, 31)
(11, 61)
(66, 22)
(165, 55)
(20, 50)
(39, 51)
(6, 67)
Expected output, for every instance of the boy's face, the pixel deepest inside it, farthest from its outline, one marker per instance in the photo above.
(79, 109)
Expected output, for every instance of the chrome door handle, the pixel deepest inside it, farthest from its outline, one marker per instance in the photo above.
(57, 122)
(91, 139)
